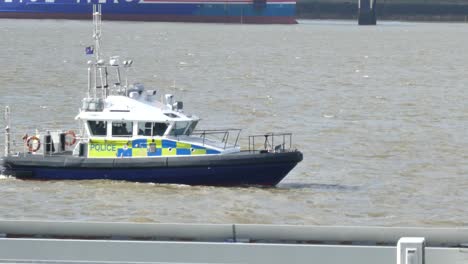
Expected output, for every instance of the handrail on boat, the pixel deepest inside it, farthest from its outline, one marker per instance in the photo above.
(18, 143)
(269, 142)
(223, 132)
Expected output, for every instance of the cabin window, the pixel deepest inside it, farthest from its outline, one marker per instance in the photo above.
(179, 128)
(144, 129)
(98, 128)
(122, 129)
(159, 129)
(151, 129)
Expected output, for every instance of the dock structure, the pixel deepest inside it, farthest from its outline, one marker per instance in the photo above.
(77, 242)
(366, 12)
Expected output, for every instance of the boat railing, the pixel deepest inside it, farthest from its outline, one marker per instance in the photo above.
(38, 143)
(271, 142)
(228, 137)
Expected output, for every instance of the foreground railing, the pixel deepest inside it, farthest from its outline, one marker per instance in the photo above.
(80, 242)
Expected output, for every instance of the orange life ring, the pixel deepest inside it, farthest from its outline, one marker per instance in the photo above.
(69, 134)
(30, 144)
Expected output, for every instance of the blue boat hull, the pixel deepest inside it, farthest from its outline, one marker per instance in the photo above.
(172, 10)
(221, 176)
(231, 170)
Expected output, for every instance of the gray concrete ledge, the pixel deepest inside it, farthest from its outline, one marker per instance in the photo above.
(441, 237)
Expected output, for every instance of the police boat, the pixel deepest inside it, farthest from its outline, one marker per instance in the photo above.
(127, 134)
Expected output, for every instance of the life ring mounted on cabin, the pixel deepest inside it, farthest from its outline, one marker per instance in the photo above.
(33, 143)
(70, 138)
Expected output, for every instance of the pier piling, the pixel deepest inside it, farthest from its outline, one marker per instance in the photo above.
(366, 12)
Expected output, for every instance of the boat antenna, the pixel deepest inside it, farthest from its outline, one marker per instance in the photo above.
(101, 67)
(97, 30)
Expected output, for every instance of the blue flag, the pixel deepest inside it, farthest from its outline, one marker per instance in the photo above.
(89, 50)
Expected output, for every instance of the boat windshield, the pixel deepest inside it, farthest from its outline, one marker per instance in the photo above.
(191, 128)
(179, 128)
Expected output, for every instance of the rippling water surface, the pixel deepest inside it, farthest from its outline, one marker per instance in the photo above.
(380, 114)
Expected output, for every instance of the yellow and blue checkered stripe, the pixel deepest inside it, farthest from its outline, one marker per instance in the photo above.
(100, 148)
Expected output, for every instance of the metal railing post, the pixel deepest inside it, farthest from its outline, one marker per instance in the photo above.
(227, 138)
(7, 131)
(284, 141)
(273, 141)
(237, 138)
(290, 141)
(410, 250)
(204, 135)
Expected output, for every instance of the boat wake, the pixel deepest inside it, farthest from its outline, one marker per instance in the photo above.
(4, 177)
(335, 187)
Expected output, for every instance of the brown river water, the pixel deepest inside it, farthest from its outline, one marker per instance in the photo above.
(380, 114)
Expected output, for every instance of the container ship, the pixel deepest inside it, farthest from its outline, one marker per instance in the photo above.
(220, 11)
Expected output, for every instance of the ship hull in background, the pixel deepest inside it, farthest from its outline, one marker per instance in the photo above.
(230, 11)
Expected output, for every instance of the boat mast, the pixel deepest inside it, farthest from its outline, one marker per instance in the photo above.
(97, 31)
(99, 65)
